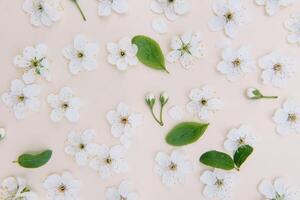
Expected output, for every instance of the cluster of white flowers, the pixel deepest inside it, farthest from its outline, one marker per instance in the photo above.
(204, 103)
(280, 190)
(186, 48)
(63, 186)
(16, 188)
(172, 168)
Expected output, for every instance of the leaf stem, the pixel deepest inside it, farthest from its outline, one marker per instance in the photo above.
(155, 118)
(161, 114)
(79, 8)
(269, 97)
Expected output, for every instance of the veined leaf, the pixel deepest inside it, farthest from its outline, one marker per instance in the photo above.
(217, 159)
(34, 160)
(241, 155)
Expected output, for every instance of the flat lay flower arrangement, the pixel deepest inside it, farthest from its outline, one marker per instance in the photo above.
(154, 99)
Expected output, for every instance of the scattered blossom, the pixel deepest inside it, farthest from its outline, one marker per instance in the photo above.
(121, 192)
(43, 12)
(186, 48)
(280, 190)
(236, 63)
(109, 160)
(287, 118)
(292, 24)
(238, 137)
(106, 7)
(172, 168)
(218, 184)
(230, 15)
(122, 54)
(272, 6)
(16, 188)
(82, 55)
(22, 98)
(171, 9)
(123, 121)
(81, 147)
(34, 63)
(277, 68)
(62, 187)
(204, 103)
(64, 105)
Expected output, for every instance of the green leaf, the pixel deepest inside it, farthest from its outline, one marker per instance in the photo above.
(217, 159)
(34, 160)
(241, 154)
(149, 52)
(185, 133)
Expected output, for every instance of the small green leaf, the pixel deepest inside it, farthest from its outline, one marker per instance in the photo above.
(149, 52)
(217, 159)
(185, 133)
(241, 154)
(34, 160)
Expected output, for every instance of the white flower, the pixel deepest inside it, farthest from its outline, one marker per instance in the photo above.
(82, 55)
(122, 54)
(64, 104)
(277, 69)
(287, 118)
(218, 184)
(122, 192)
(159, 26)
(272, 6)
(2, 133)
(42, 12)
(123, 121)
(230, 15)
(109, 160)
(203, 102)
(34, 63)
(172, 168)
(280, 190)
(106, 6)
(186, 48)
(81, 146)
(172, 9)
(22, 98)
(292, 24)
(238, 137)
(16, 189)
(176, 112)
(236, 63)
(62, 187)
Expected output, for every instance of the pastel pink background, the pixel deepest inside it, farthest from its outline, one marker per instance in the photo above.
(101, 90)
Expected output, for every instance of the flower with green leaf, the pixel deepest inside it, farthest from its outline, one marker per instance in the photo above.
(254, 93)
(150, 101)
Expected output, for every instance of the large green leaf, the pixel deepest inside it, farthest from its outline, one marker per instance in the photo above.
(241, 155)
(149, 52)
(185, 133)
(34, 160)
(217, 159)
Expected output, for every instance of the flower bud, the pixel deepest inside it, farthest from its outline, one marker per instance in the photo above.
(2, 133)
(253, 93)
(150, 99)
(163, 98)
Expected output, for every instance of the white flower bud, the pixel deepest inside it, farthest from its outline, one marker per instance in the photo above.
(150, 97)
(2, 133)
(164, 97)
(250, 93)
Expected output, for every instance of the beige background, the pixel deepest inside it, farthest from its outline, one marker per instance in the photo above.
(104, 88)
